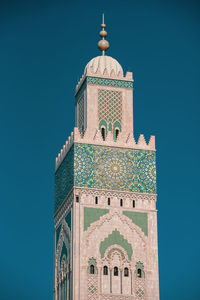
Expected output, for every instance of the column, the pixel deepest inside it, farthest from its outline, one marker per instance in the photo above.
(121, 280)
(111, 281)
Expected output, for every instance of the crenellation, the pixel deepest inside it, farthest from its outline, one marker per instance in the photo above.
(122, 141)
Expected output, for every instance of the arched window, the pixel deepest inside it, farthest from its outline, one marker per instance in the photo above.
(115, 271)
(108, 201)
(116, 133)
(121, 202)
(103, 133)
(126, 273)
(96, 200)
(105, 270)
(139, 273)
(91, 269)
(133, 203)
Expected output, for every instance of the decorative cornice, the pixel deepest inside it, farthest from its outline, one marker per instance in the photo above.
(126, 82)
(114, 193)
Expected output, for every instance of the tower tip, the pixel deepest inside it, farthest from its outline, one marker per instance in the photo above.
(103, 44)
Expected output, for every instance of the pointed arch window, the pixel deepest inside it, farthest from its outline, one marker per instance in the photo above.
(116, 133)
(103, 133)
(139, 273)
(116, 271)
(91, 269)
(126, 272)
(105, 270)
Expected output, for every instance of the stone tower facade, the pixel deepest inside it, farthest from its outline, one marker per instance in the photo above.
(105, 196)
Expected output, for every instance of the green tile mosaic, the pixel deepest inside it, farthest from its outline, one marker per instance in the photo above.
(106, 168)
(140, 219)
(109, 82)
(64, 178)
(115, 238)
(114, 169)
(92, 215)
(109, 108)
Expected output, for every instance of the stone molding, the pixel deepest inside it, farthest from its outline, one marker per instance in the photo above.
(113, 193)
(79, 191)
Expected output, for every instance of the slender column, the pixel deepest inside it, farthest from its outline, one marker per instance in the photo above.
(131, 283)
(67, 293)
(61, 292)
(121, 280)
(69, 283)
(110, 281)
(100, 272)
(57, 292)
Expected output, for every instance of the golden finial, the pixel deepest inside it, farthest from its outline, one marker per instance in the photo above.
(103, 44)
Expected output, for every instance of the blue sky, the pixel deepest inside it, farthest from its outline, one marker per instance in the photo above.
(45, 46)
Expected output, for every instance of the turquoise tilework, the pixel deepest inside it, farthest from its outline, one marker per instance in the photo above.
(114, 169)
(104, 82)
(106, 168)
(109, 82)
(64, 178)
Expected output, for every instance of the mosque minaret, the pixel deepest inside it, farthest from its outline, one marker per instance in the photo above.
(105, 194)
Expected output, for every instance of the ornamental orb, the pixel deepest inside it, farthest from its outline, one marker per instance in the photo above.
(103, 45)
(103, 33)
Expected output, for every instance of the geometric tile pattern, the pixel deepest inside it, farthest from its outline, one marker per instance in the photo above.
(109, 107)
(64, 178)
(114, 169)
(110, 82)
(107, 168)
(140, 289)
(81, 114)
(104, 82)
(92, 287)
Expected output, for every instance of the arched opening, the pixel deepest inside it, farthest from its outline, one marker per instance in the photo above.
(96, 200)
(115, 271)
(133, 203)
(139, 273)
(91, 269)
(108, 201)
(116, 133)
(105, 270)
(121, 202)
(126, 273)
(103, 133)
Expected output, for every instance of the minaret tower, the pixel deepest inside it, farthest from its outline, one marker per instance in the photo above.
(105, 194)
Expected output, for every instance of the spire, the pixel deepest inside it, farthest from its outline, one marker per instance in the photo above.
(103, 45)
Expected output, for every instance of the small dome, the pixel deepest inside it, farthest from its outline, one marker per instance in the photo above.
(102, 63)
